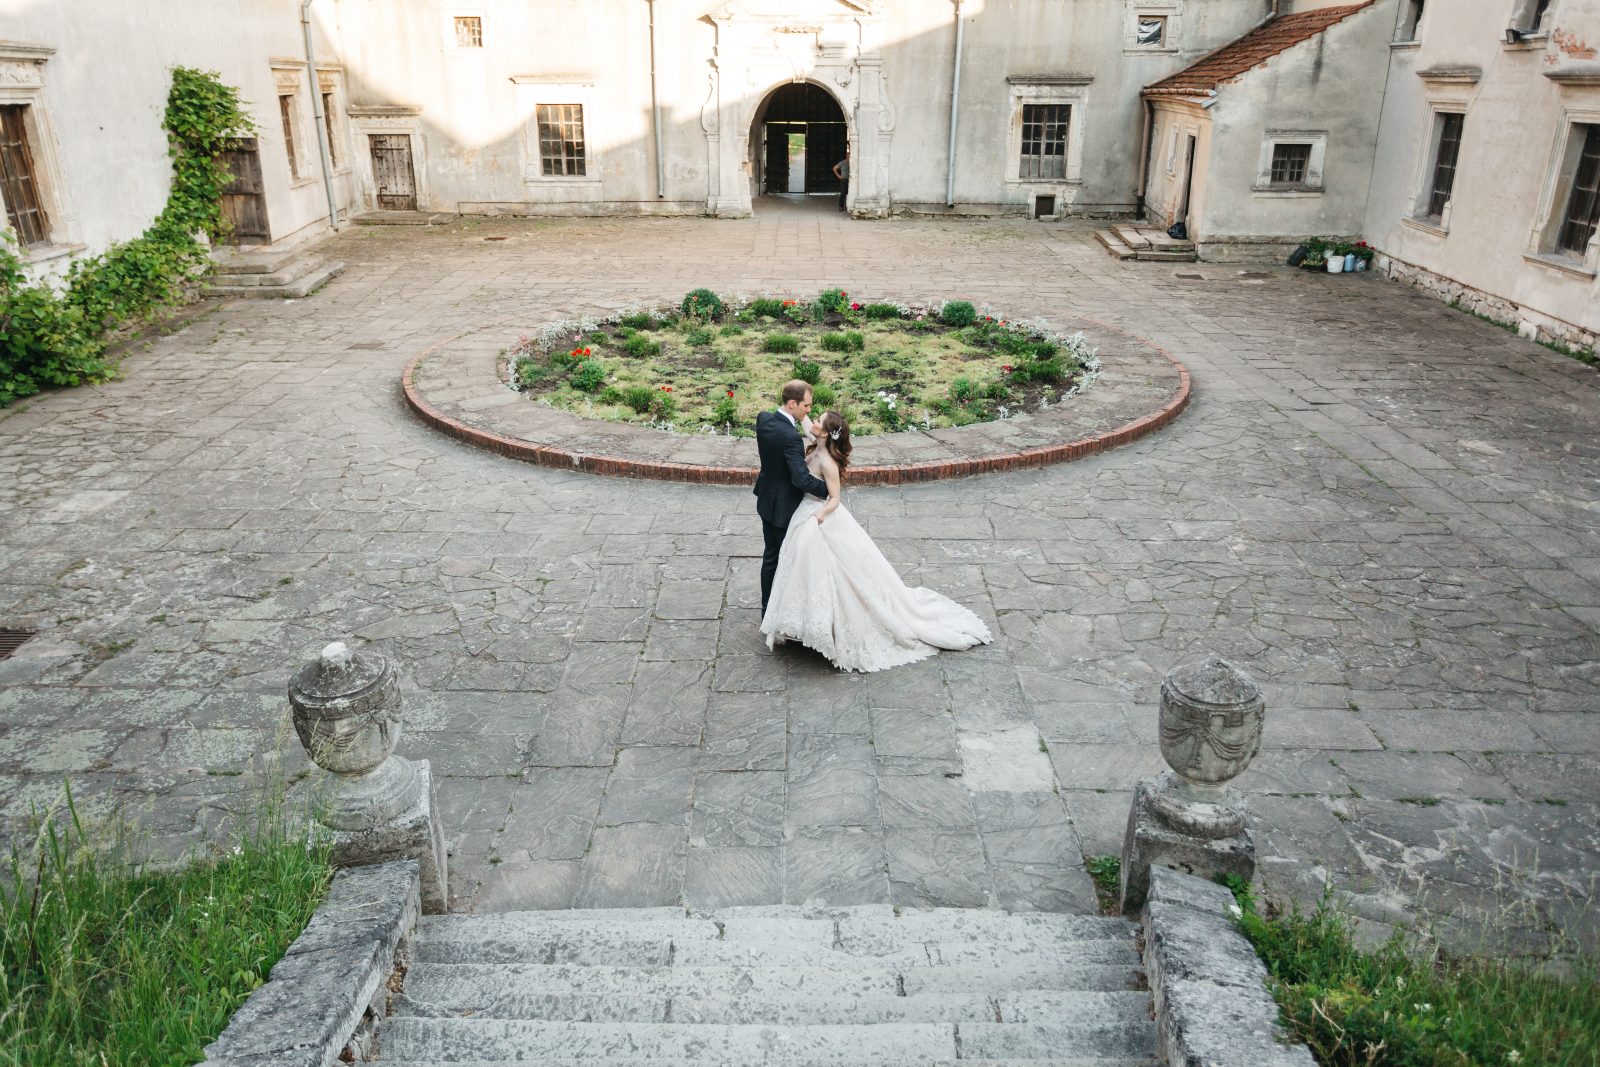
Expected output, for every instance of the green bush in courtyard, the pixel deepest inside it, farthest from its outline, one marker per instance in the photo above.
(834, 300)
(641, 346)
(589, 375)
(768, 306)
(641, 320)
(823, 396)
(958, 313)
(699, 337)
(844, 341)
(639, 398)
(780, 342)
(881, 311)
(807, 370)
(703, 304)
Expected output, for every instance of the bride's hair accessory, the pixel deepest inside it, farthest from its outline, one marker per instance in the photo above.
(833, 435)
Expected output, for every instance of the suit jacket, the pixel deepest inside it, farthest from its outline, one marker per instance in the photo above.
(784, 478)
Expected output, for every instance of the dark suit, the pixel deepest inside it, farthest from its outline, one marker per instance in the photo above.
(782, 483)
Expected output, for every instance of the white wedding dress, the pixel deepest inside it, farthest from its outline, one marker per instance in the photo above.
(836, 593)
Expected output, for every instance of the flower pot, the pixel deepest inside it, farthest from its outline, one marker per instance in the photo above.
(1335, 264)
(1361, 265)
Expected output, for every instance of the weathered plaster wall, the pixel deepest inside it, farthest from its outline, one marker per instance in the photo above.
(105, 89)
(1504, 184)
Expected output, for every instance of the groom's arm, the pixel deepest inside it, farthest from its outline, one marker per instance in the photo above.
(802, 478)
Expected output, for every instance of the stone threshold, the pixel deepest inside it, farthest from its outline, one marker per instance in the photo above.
(458, 388)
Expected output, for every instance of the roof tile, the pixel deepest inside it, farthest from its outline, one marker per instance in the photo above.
(1253, 49)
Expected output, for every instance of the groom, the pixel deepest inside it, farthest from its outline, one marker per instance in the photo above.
(784, 479)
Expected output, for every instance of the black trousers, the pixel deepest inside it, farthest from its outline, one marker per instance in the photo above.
(773, 538)
(844, 190)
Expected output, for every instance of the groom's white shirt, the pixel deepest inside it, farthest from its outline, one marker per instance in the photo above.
(790, 417)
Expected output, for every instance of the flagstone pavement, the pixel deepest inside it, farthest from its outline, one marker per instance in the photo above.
(1382, 507)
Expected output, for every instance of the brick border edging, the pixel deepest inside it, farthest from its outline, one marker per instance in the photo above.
(616, 466)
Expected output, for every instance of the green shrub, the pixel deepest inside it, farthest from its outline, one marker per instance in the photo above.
(639, 320)
(1013, 344)
(725, 412)
(530, 372)
(881, 311)
(769, 306)
(730, 330)
(797, 314)
(889, 410)
(963, 391)
(746, 316)
(834, 300)
(703, 304)
(699, 337)
(844, 341)
(1045, 349)
(780, 342)
(588, 376)
(662, 405)
(641, 346)
(638, 397)
(823, 396)
(733, 362)
(807, 370)
(958, 313)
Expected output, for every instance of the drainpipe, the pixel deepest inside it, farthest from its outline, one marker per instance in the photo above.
(319, 115)
(655, 110)
(955, 99)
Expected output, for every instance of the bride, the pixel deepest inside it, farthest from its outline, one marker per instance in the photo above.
(836, 593)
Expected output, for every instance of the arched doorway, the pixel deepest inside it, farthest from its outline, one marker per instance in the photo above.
(799, 133)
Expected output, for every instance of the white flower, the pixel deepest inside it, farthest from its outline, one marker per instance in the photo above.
(1236, 911)
(1513, 1056)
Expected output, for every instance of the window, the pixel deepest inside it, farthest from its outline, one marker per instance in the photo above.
(327, 118)
(1044, 140)
(1448, 146)
(561, 151)
(469, 31)
(1410, 20)
(286, 112)
(1151, 30)
(18, 181)
(1582, 212)
(1289, 163)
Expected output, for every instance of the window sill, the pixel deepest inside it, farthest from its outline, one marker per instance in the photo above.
(302, 182)
(1527, 42)
(1426, 225)
(1286, 191)
(1043, 181)
(1405, 46)
(1150, 50)
(45, 253)
(1571, 266)
(562, 182)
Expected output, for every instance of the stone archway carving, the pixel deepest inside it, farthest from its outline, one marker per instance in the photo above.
(760, 45)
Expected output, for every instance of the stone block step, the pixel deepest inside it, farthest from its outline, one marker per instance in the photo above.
(1113, 244)
(1156, 256)
(455, 1040)
(787, 1009)
(1132, 236)
(482, 983)
(286, 273)
(247, 261)
(304, 286)
(1071, 1061)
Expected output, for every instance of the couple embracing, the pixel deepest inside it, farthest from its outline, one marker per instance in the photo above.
(823, 581)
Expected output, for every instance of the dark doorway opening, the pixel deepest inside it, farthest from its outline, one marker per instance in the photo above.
(801, 135)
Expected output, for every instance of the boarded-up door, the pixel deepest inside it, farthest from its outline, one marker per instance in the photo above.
(244, 199)
(391, 171)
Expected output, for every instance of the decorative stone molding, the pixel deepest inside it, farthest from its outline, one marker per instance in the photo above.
(1578, 76)
(374, 805)
(22, 65)
(1049, 79)
(1452, 75)
(383, 111)
(1188, 818)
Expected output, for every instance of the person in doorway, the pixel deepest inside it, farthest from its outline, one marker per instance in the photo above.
(841, 170)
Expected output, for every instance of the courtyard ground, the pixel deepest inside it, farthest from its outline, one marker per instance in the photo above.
(1382, 507)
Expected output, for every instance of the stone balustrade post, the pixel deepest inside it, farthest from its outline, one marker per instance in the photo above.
(1188, 818)
(373, 806)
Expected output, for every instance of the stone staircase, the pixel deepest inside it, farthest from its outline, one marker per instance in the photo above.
(1127, 241)
(267, 275)
(847, 987)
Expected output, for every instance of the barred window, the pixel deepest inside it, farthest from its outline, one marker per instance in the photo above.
(1289, 163)
(469, 31)
(561, 139)
(1044, 140)
(286, 112)
(1444, 163)
(327, 119)
(1582, 215)
(18, 181)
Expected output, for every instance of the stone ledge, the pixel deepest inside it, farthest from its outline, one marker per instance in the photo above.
(1213, 1008)
(331, 977)
(455, 388)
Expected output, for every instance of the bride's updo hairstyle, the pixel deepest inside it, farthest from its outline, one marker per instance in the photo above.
(836, 437)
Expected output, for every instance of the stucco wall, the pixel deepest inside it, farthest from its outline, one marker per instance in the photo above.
(1505, 175)
(105, 89)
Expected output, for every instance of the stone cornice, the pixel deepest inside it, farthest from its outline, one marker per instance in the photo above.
(21, 50)
(1452, 75)
(1049, 79)
(1587, 74)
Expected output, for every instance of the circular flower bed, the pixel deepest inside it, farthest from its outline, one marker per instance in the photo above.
(711, 363)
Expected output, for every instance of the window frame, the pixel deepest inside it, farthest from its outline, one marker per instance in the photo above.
(1066, 90)
(531, 91)
(1437, 199)
(1169, 10)
(473, 24)
(289, 79)
(1409, 21)
(1555, 199)
(1050, 118)
(330, 86)
(1316, 142)
(22, 71)
(35, 216)
(559, 122)
(1425, 178)
(448, 39)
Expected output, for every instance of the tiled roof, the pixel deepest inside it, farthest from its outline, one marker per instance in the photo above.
(1253, 49)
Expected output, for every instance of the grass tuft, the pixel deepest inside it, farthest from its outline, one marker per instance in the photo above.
(1107, 874)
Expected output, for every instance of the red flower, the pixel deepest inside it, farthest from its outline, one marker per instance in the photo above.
(586, 351)
(730, 392)
(1006, 368)
(855, 307)
(666, 388)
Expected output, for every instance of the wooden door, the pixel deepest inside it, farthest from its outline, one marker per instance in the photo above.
(825, 143)
(777, 158)
(391, 171)
(244, 199)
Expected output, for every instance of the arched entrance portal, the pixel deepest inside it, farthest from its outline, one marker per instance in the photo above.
(798, 135)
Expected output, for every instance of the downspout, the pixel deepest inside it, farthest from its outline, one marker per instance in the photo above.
(955, 99)
(655, 110)
(319, 115)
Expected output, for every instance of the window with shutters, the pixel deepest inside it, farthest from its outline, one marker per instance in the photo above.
(19, 181)
(561, 145)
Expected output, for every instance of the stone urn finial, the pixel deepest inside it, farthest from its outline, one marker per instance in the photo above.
(347, 713)
(1188, 818)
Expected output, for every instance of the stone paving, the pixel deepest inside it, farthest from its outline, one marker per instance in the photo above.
(1382, 507)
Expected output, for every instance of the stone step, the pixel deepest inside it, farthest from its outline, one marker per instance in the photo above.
(413, 1038)
(304, 286)
(786, 1009)
(482, 983)
(641, 949)
(1132, 236)
(1071, 1061)
(1153, 255)
(251, 261)
(286, 273)
(1113, 244)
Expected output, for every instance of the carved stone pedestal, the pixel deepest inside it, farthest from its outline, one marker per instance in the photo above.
(373, 806)
(1188, 819)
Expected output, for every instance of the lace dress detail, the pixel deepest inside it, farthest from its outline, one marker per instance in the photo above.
(835, 592)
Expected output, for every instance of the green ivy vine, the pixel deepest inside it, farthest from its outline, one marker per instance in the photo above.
(50, 338)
